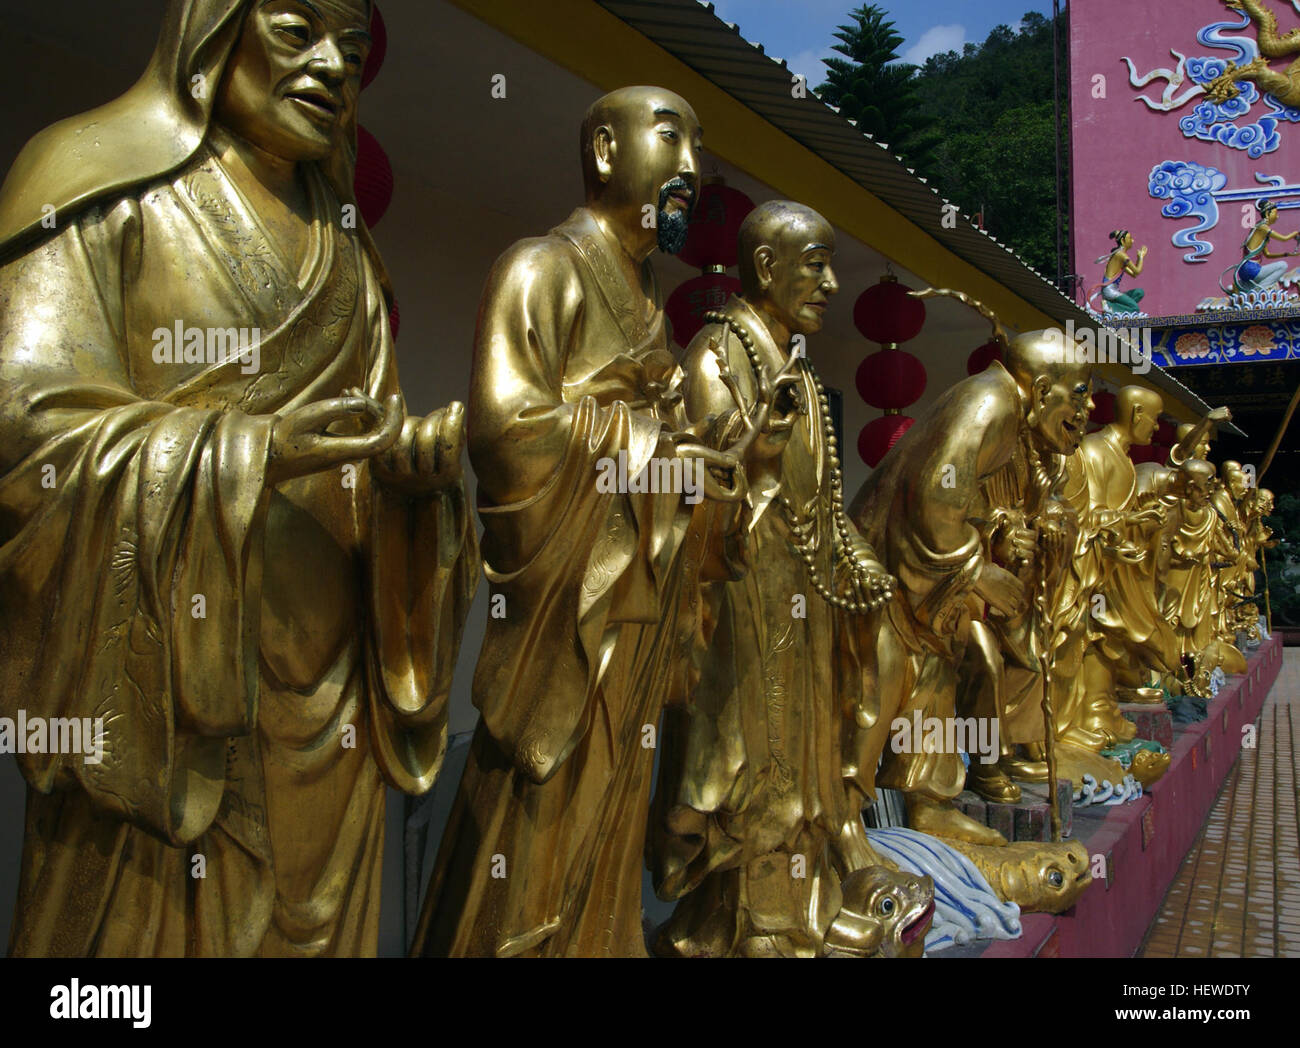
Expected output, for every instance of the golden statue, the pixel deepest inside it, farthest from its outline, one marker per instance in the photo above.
(1192, 578)
(919, 510)
(1284, 86)
(601, 522)
(751, 803)
(236, 553)
(1127, 633)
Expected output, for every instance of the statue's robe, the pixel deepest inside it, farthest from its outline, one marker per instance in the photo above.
(1003, 675)
(263, 660)
(751, 772)
(599, 595)
(1191, 576)
(1226, 563)
(919, 510)
(1131, 636)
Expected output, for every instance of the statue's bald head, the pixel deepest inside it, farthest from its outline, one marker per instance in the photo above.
(784, 226)
(1055, 381)
(785, 264)
(1200, 477)
(623, 112)
(1044, 354)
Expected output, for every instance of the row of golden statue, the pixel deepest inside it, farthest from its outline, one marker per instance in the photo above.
(254, 580)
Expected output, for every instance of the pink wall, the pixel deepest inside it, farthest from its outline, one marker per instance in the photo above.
(1118, 140)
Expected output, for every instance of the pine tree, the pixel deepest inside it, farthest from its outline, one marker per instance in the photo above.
(871, 86)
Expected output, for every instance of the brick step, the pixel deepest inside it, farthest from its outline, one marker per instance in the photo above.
(1030, 820)
(1153, 722)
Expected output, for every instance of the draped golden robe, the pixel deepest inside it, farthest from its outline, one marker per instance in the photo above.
(260, 733)
(918, 510)
(543, 852)
(751, 774)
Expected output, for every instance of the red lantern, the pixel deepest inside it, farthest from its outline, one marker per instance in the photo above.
(374, 178)
(881, 434)
(983, 357)
(1103, 414)
(1160, 452)
(395, 319)
(1166, 433)
(891, 379)
(715, 226)
(687, 305)
(378, 48)
(887, 314)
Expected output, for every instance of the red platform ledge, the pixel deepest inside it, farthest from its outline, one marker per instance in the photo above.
(1144, 842)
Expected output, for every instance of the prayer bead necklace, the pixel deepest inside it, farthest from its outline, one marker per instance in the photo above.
(866, 584)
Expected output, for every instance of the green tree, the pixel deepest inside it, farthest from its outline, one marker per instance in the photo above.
(871, 86)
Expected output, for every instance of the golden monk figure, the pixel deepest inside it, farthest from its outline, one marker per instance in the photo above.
(1229, 501)
(1127, 634)
(232, 551)
(751, 802)
(1198, 545)
(919, 511)
(600, 521)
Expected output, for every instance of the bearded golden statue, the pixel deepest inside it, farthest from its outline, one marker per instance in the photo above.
(598, 577)
(246, 564)
(752, 801)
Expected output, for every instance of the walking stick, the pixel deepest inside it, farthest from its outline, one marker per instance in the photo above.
(1049, 719)
(1268, 608)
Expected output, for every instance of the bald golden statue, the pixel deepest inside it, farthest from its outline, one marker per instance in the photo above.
(990, 443)
(602, 515)
(752, 801)
(225, 543)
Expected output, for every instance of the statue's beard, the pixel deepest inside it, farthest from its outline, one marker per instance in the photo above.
(673, 226)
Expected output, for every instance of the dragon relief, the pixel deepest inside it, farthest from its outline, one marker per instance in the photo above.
(1284, 86)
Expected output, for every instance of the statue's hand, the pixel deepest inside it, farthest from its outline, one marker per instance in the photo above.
(1153, 517)
(1220, 415)
(427, 454)
(1001, 590)
(301, 443)
(772, 418)
(724, 476)
(1015, 542)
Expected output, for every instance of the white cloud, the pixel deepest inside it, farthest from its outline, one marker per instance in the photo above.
(809, 64)
(934, 41)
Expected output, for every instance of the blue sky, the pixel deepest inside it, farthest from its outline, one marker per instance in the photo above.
(800, 31)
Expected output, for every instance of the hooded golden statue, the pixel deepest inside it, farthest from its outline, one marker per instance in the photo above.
(233, 551)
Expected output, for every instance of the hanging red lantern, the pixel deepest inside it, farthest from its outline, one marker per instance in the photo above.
(984, 356)
(715, 225)
(887, 314)
(1160, 452)
(687, 305)
(891, 379)
(373, 183)
(378, 48)
(881, 434)
(1166, 433)
(395, 319)
(1103, 413)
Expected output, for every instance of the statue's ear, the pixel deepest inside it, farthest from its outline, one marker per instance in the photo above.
(764, 257)
(605, 149)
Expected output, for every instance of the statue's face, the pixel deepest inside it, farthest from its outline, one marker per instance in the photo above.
(295, 75)
(1235, 479)
(1128, 240)
(655, 160)
(802, 278)
(1062, 409)
(1270, 214)
(1265, 502)
(1144, 423)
